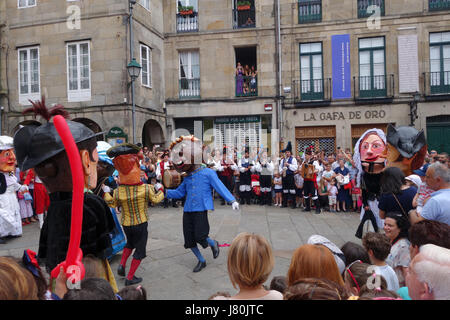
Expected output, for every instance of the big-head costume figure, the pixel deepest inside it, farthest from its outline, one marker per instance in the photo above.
(406, 148)
(41, 148)
(10, 220)
(197, 186)
(370, 161)
(132, 198)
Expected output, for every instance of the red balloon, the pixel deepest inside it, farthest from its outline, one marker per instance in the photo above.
(72, 266)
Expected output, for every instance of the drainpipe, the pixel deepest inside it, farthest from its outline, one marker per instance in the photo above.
(279, 111)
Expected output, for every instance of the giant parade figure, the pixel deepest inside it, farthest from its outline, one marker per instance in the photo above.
(197, 186)
(42, 148)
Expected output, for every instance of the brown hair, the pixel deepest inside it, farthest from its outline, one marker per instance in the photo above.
(378, 243)
(250, 260)
(313, 261)
(16, 283)
(381, 292)
(357, 274)
(134, 292)
(316, 289)
(430, 231)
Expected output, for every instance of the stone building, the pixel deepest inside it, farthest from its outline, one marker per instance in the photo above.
(351, 67)
(75, 53)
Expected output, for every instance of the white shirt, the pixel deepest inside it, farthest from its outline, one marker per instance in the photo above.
(389, 275)
(293, 166)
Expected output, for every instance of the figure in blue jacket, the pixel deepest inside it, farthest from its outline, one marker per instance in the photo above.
(197, 187)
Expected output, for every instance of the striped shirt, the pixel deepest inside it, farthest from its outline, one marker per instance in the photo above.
(133, 202)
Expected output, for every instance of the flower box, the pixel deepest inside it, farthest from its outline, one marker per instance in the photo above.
(244, 7)
(187, 12)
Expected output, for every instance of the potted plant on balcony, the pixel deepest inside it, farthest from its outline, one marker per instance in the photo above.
(185, 11)
(243, 5)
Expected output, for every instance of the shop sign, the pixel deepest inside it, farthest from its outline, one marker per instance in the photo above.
(349, 115)
(245, 119)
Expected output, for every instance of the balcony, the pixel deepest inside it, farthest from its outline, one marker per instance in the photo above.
(374, 87)
(438, 5)
(312, 92)
(245, 87)
(363, 5)
(437, 83)
(187, 22)
(309, 11)
(244, 18)
(189, 88)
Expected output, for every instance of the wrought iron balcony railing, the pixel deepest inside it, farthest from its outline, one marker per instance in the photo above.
(309, 11)
(374, 86)
(436, 83)
(189, 88)
(187, 22)
(363, 5)
(246, 86)
(312, 90)
(244, 18)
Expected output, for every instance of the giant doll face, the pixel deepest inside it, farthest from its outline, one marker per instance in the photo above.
(371, 150)
(187, 155)
(7, 160)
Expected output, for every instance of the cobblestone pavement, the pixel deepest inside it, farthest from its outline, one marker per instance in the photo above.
(167, 270)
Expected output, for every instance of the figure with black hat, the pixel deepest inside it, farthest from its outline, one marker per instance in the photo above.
(288, 167)
(265, 167)
(41, 148)
(164, 165)
(132, 197)
(10, 219)
(246, 167)
(309, 173)
(224, 169)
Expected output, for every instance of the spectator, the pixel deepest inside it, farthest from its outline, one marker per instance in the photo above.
(313, 261)
(316, 289)
(298, 179)
(433, 154)
(250, 262)
(278, 283)
(396, 195)
(278, 186)
(378, 247)
(323, 193)
(133, 292)
(332, 195)
(428, 232)
(396, 226)
(343, 177)
(378, 293)
(436, 208)
(91, 289)
(328, 174)
(356, 276)
(423, 190)
(337, 253)
(413, 180)
(428, 276)
(353, 251)
(16, 283)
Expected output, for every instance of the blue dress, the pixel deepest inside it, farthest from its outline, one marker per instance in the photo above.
(343, 194)
(240, 82)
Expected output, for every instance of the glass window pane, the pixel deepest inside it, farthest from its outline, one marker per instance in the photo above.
(316, 47)
(435, 53)
(22, 3)
(435, 37)
(364, 58)
(365, 43)
(378, 56)
(446, 37)
(305, 48)
(377, 42)
(31, 2)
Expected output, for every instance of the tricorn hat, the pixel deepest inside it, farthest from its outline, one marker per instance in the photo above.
(407, 140)
(288, 148)
(121, 149)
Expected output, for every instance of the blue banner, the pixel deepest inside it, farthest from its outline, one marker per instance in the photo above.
(340, 48)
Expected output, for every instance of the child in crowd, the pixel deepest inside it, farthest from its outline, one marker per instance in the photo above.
(26, 210)
(356, 194)
(332, 195)
(298, 179)
(323, 193)
(378, 247)
(356, 276)
(353, 251)
(253, 83)
(278, 188)
(423, 191)
(133, 292)
(278, 283)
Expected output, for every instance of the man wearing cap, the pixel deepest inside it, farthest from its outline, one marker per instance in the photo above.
(10, 220)
(288, 167)
(41, 148)
(309, 173)
(132, 197)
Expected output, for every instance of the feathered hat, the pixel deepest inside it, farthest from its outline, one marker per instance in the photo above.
(288, 148)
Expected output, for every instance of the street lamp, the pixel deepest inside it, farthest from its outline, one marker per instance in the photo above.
(134, 69)
(413, 108)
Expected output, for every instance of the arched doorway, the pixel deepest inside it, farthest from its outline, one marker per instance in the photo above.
(91, 125)
(152, 134)
(23, 124)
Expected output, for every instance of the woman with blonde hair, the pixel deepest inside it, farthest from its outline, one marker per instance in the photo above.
(16, 283)
(250, 262)
(313, 261)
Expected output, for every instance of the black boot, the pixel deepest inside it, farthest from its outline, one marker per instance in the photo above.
(317, 203)
(242, 198)
(200, 265)
(215, 249)
(262, 199)
(307, 204)
(293, 204)
(284, 201)
(248, 197)
(121, 270)
(268, 196)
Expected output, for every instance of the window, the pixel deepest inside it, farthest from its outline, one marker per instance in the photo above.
(366, 7)
(26, 3)
(244, 14)
(189, 74)
(145, 4)
(437, 5)
(187, 15)
(372, 72)
(309, 11)
(29, 83)
(78, 72)
(146, 63)
(311, 73)
(440, 62)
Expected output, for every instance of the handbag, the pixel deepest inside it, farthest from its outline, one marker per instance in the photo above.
(27, 196)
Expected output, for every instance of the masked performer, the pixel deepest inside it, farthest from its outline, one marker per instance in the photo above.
(265, 168)
(197, 186)
(246, 167)
(288, 167)
(370, 162)
(41, 148)
(10, 219)
(40, 196)
(132, 198)
(406, 148)
(308, 171)
(164, 165)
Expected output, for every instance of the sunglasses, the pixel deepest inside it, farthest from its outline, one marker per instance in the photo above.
(351, 274)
